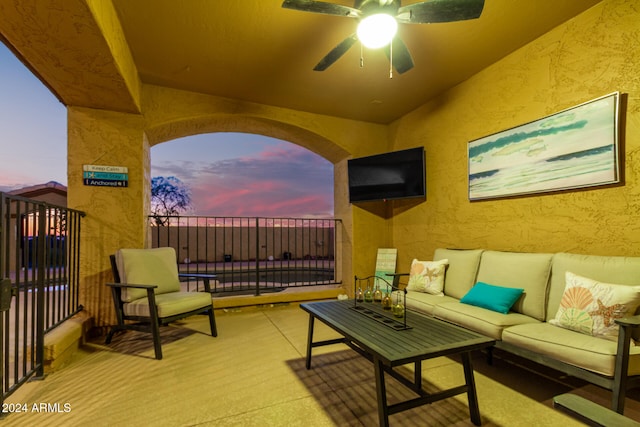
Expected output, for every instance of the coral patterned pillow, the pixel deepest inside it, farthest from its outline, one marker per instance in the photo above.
(590, 307)
(427, 276)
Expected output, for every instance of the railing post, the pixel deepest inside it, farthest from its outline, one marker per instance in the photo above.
(257, 256)
(4, 248)
(39, 289)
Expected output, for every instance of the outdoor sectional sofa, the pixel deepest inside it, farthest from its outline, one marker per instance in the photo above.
(527, 329)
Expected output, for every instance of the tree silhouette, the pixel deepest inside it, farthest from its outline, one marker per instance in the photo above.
(169, 197)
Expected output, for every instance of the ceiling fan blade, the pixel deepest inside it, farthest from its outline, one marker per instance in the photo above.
(321, 7)
(401, 60)
(440, 11)
(336, 53)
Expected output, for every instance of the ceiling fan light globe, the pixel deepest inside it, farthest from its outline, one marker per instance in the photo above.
(377, 30)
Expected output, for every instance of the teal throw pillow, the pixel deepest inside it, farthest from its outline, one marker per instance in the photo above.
(495, 298)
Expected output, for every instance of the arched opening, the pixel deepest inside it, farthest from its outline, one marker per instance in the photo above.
(195, 114)
(260, 215)
(245, 174)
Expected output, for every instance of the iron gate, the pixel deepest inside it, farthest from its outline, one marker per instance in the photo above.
(39, 282)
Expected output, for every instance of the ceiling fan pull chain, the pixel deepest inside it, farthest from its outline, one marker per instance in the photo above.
(361, 56)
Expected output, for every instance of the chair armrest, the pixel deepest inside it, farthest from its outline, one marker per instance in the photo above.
(621, 369)
(590, 412)
(206, 278)
(629, 322)
(131, 285)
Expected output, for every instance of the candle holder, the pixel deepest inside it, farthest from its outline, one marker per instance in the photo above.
(377, 293)
(368, 294)
(389, 310)
(398, 308)
(387, 302)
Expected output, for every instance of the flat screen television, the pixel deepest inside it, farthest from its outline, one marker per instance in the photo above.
(394, 175)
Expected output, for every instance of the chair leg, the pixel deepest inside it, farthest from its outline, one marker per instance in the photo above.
(113, 330)
(155, 324)
(212, 323)
(155, 331)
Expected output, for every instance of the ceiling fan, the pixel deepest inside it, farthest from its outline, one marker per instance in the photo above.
(433, 11)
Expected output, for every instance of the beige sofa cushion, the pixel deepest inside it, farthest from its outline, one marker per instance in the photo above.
(608, 269)
(147, 267)
(460, 274)
(585, 351)
(425, 303)
(486, 322)
(169, 304)
(529, 271)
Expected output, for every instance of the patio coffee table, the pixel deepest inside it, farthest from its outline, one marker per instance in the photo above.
(381, 339)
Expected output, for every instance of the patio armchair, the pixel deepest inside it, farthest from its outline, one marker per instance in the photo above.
(147, 294)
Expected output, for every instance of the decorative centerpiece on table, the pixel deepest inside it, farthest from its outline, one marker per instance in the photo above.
(385, 304)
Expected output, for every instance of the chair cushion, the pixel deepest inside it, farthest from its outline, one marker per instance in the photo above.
(481, 320)
(610, 269)
(585, 351)
(529, 271)
(424, 302)
(169, 304)
(460, 274)
(147, 267)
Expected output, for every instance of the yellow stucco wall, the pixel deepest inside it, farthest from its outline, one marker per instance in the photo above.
(116, 216)
(592, 55)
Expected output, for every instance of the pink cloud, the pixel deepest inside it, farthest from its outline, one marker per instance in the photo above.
(281, 180)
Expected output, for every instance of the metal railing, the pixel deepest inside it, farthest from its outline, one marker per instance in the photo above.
(252, 255)
(39, 269)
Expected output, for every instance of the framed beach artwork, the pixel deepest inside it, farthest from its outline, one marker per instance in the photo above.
(574, 148)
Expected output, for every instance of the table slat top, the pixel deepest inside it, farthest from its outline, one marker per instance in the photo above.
(427, 337)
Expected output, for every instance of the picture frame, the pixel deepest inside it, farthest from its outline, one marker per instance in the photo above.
(574, 148)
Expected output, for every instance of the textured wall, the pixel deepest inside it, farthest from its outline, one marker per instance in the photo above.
(170, 114)
(589, 56)
(54, 36)
(592, 55)
(115, 217)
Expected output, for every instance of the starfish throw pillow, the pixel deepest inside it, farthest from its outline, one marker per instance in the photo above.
(591, 307)
(427, 276)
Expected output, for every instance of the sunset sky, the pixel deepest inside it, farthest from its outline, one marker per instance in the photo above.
(229, 174)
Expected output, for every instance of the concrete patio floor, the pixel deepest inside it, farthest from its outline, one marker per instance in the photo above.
(253, 374)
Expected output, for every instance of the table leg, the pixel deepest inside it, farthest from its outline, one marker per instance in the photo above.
(309, 341)
(381, 391)
(417, 375)
(474, 410)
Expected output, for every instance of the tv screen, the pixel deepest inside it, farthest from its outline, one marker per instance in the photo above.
(394, 175)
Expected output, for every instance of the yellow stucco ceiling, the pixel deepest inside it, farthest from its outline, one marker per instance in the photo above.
(254, 50)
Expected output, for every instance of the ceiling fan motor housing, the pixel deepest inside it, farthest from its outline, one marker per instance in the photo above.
(371, 7)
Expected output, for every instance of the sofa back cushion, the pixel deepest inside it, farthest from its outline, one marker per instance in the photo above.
(147, 267)
(528, 271)
(461, 272)
(608, 269)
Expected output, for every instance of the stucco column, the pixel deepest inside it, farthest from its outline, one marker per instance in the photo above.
(115, 216)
